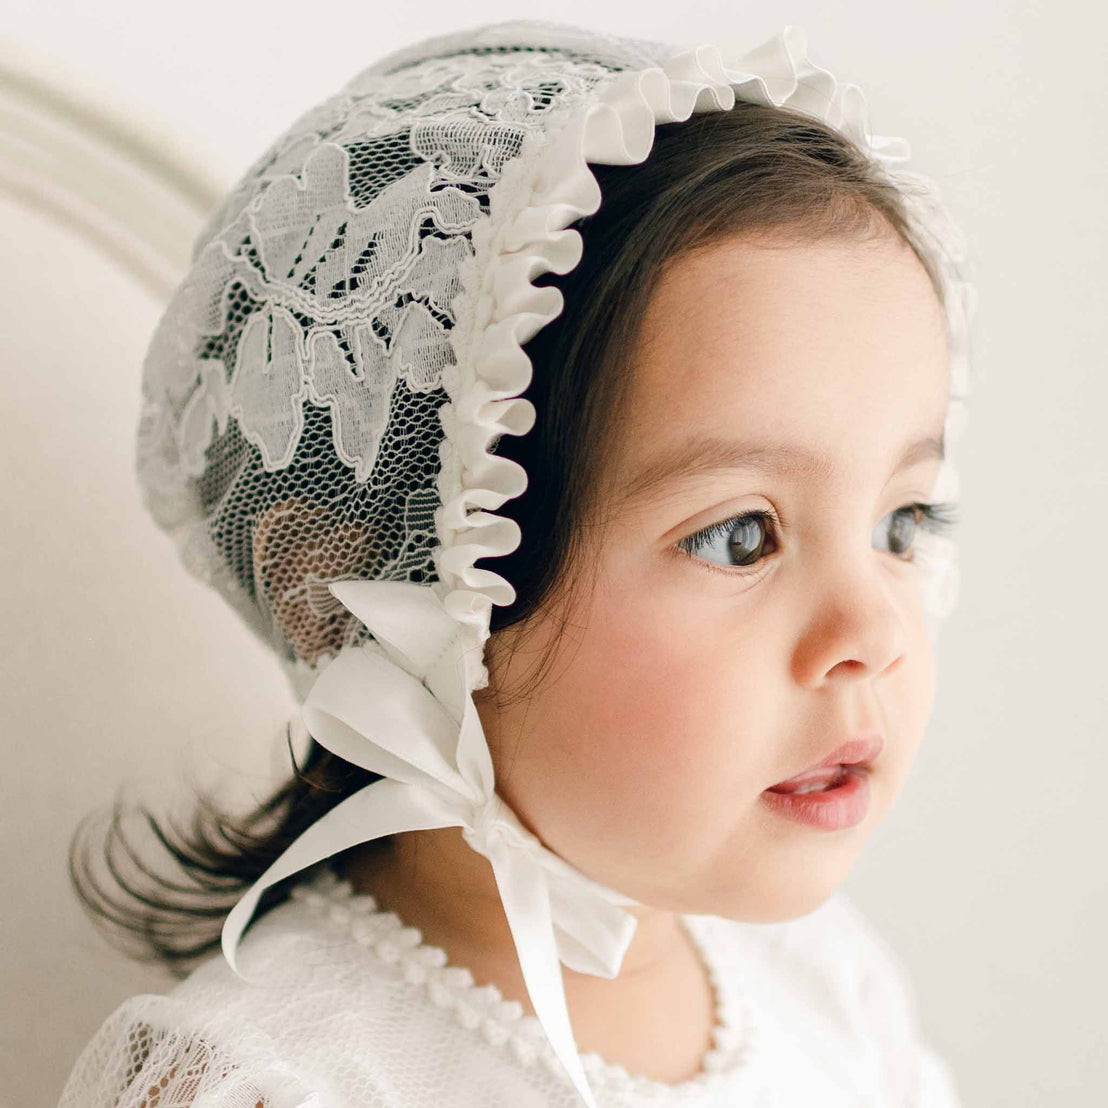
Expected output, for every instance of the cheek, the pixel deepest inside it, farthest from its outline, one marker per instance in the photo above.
(641, 734)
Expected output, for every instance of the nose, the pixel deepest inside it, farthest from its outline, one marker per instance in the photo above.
(856, 628)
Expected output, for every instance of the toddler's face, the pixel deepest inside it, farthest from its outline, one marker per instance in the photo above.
(686, 682)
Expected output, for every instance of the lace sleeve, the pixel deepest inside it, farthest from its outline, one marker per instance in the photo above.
(155, 1052)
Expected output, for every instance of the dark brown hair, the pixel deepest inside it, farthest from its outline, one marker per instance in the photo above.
(754, 169)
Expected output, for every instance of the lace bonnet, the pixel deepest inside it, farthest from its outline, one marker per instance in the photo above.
(322, 397)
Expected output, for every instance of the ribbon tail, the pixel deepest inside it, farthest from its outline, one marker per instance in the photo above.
(523, 891)
(381, 808)
(594, 942)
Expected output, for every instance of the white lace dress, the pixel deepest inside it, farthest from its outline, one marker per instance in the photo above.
(349, 1009)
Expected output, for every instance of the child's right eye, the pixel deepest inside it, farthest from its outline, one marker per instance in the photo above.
(746, 537)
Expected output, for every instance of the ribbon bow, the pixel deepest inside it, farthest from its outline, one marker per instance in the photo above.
(402, 707)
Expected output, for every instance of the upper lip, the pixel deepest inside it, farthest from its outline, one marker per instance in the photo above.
(861, 750)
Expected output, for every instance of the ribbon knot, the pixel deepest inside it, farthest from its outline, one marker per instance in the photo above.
(486, 827)
(402, 707)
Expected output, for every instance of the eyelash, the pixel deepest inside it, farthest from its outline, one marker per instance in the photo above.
(937, 518)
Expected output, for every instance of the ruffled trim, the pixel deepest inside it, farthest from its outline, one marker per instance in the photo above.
(541, 192)
(483, 1009)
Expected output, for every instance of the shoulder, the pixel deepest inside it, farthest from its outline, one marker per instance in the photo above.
(835, 942)
(834, 945)
(831, 972)
(861, 946)
(336, 1005)
(159, 1049)
(888, 1003)
(877, 976)
(221, 1039)
(838, 952)
(314, 961)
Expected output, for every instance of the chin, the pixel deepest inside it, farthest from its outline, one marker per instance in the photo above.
(778, 908)
(783, 889)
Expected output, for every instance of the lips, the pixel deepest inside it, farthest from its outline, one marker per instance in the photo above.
(858, 753)
(835, 809)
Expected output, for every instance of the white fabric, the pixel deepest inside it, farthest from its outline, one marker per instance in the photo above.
(349, 1009)
(320, 400)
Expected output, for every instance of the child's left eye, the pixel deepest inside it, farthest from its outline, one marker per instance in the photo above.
(936, 518)
(745, 536)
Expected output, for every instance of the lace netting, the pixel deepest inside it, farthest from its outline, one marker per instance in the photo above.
(154, 1052)
(290, 431)
(296, 392)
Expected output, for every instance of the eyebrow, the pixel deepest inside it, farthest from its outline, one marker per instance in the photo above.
(706, 455)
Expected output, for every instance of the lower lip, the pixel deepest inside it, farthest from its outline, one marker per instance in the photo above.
(831, 810)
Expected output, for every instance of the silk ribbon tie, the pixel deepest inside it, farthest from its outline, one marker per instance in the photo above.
(402, 707)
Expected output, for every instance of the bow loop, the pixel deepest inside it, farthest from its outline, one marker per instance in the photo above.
(415, 630)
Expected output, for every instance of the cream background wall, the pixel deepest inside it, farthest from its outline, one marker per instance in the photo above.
(117, 668)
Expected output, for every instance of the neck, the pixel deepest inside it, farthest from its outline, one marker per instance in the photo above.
(655, 1017)
(435, 881)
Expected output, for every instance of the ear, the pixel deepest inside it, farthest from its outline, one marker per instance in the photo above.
(298, 549)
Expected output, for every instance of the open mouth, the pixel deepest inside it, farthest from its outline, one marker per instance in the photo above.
(830, 799)
(853, 757)
(818, 781)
